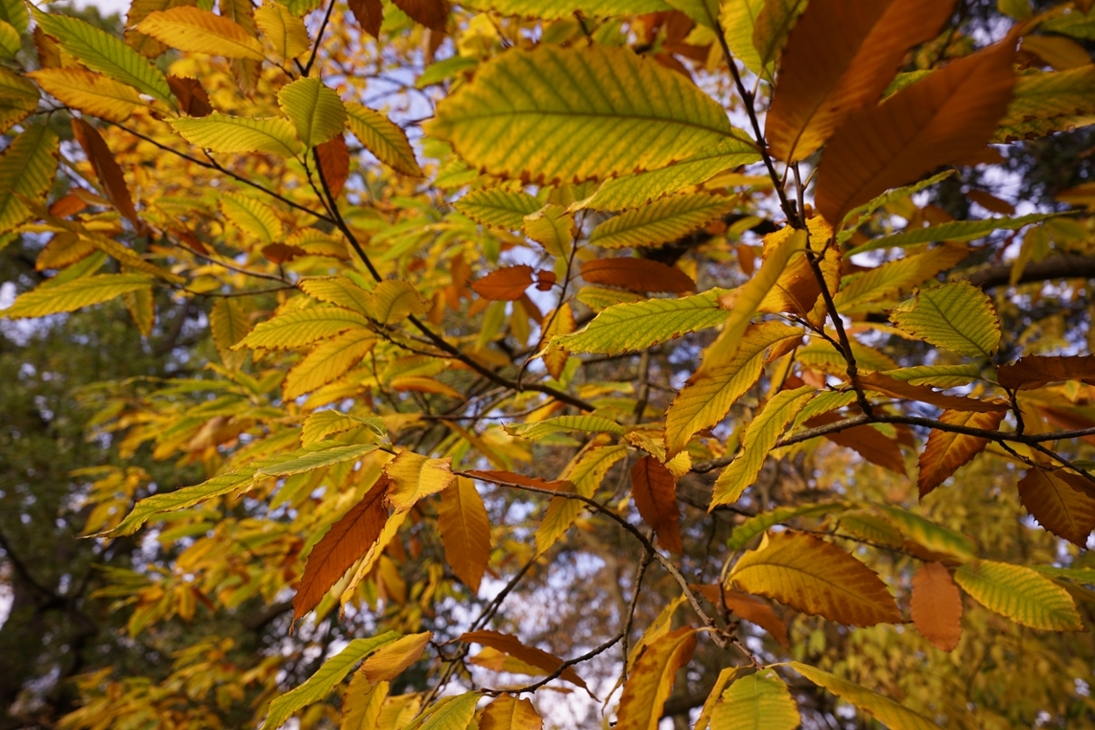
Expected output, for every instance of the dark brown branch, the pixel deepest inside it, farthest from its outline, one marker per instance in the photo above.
(1065, 266)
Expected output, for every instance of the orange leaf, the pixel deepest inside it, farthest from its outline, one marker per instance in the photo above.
(1057, 505)
(369, 15)
(509, 713)
(840, 56)
(67, 205)
(334, 163)
(945, 452)
(536, 657)
(939, 120)
(505, 284)
(937, 606)
(279, 253)
(391, 659)
(434, 14)
(882, 383)
(559, 322)
(749, 608)
(1034, 371)
(639, 275)
(465, 531)
(868, 442)
(345, 542)
(498, 476)
(106, 168)
(654, 489)
(649, 684)
(545, 279)
(193, 101)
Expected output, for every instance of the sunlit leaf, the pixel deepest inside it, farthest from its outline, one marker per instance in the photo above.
(514, 647)
(415, 476)
(298, 327)
(71, 295)
(90, 93)
(465, 531)
(650, 682)
(285, 31)
(314, 109)
(662, 221)
(958, 317)
(383, 138)
(27, 167)
(758, 700)
(1020, 594)
(223, 133)
(195, 30)
(885, 710)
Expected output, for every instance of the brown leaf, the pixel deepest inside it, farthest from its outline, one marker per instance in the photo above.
(937, 606)
(67, 205)
(1034, 371)
(882, 383)
(369, 15)
(945, 452)
(334, 163)
(106, 168)
(387, 662)
(512, 645)
(499, 476)
(654, 489)
(509, 713)
(193, 101)
(840, 56)
(939, 120)
(1058, 505)
(545, 279)
(638, 275)
(345, 542)
(504, 285)
(465, 531)
(279, 253)
(990, 202)
(868, 442)
(749, 608)
(434, 14)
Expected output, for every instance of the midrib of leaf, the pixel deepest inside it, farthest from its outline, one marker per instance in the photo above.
(944, 318)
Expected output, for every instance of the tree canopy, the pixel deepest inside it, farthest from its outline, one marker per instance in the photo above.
(626, 363)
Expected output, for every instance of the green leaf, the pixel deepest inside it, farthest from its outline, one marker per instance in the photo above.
(860, 290)
(556, 9)
(883, 709)
(927, 534)
(761, 435)
(661, 221)
(1085, 576)
(181, 499)
(10, 42)
(311, 458)
(760, 700)
(958, 317)
(223, 133)
(1020, 594)
(71, 295)
(14, 12)
(635, 326)
(285, 31)
(953, 231)
(314, 109)
(18, 98)
(450, 713)
(299, 327)
(383, 138)
(27, 168)
(1075, 24)
(572, 114)
(739, 20)
(498, 208)
(549, 426)
(326, 678)
(704, 12)
(890, 196)
(100, 51)
(1048, 102)
(760, 523)
(631, 191)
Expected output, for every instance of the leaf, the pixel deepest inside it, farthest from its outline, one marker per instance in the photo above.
(299, 327)
(748, 608)
(223, 133)
(817, 578)
(858, 291)
(563, 114)
(362, 702)
(71, 295)
(588, 423)
(841, 57)
(1020, 594)
(450, 713)
(937, 606)
(738, 21)
(1059, 507)
(27, 168)
(498, 208)
(193, 101)
(338, 290)
(394, 299)
(774, 22)
(369, 15)
(636, 326)
(1048, 102)
(936, 539)
(883, 383)
(465, 531)
(333, 160)
(556, 9)
(654, 490)
(649, 684)
(322, 424)
(558, 323)
(761, 435)
(383, 138)
(726, 676)
(391, 659)
(553, 228)
(706, 399)
(509, 713)
(106, 168)
(865, 440)
(758, 700)
(759, 523)
(314, 109)
(512, 645)
(15, 14)
(194, 30)
(100, 51)
(311, 458)
(179, 499)
(940, 120)
(328, 362)
(88, 92)
(885, 710)
(323, 682)
(958, 317)
(344, 543)
(252, 216)
(1034, 371)
(285, 31)
(18, 98)
(506, 284)
(953, 231)
(662, 221)
(415, 476)
(633, 191)
(433, 14)
(946, 452)
(639, 275)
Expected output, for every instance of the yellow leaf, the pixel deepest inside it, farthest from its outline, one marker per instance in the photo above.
(303, 326)
(885, 710)
(71, 295)
(362, 702)
(726, 676)
(230, 322)
(393, 300)
(314, 109)
(957, 316)
(383, 138)
(285, 31)
(509, 713)
(662, 221)
(650, 683)
(88, 92)
(252, 216)
(27, 167)
(391, 659)
(223, 133)
(551, 227)
(815, 577)
(415, 476)
(558, 323)
(328, 362)
(465, 531)
(759, 700)
(195, 30)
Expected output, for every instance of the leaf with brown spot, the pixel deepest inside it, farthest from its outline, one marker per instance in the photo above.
(654, 489)
(945, 452)
(334, 163)
(193, 101)
(391, 659)
(465, 531)
(509, 713)
(638, 275)
(1057, 505)
(345, 542)
(504, 285)
(937, 606)
(749, 608)
(1034, 371)
(649, 684)
(369, 15)
(536, 657)
(106, 168)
